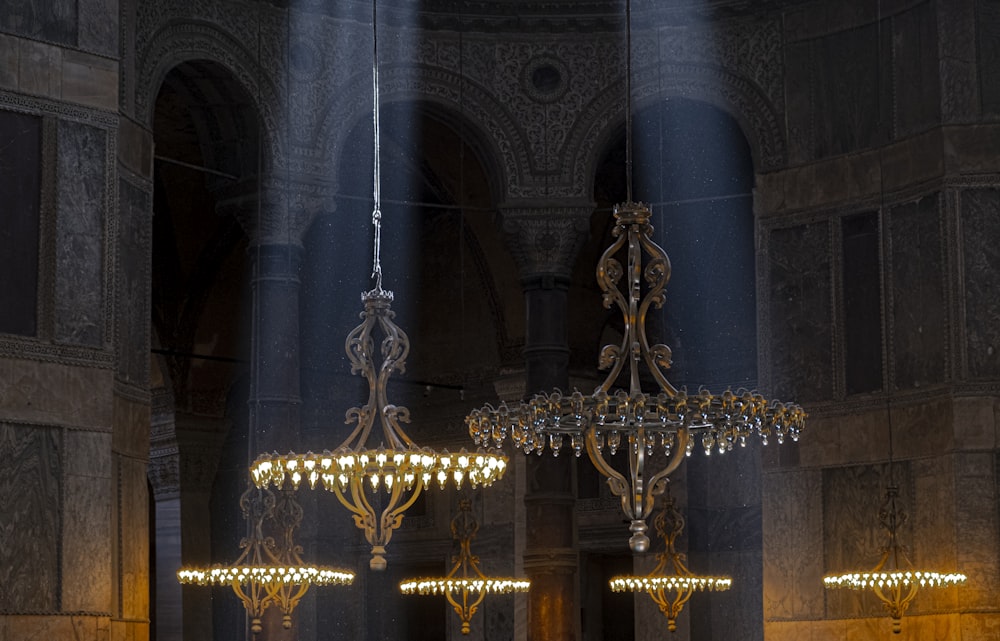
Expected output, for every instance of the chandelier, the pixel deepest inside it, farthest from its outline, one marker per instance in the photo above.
(670, 591)
(667, 420)
(641, 424)
(267, 572)
(465, 586)
(893, 579)
(378, 479)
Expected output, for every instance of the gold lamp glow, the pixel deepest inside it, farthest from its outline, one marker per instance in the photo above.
(378, 484)
(893, 579)
(465, 587)
(670, 591)
(265, 574)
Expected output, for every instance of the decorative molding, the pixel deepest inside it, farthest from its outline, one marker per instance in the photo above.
(175, 42)
(279, 211)
(76, 355)
(64, 110)
(545, 239)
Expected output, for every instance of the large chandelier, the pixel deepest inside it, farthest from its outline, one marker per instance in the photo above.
(894, 580)
(378, 479)
(641, 424)
(465, 586)
(267, 572)
(670, 584)
(666, 420)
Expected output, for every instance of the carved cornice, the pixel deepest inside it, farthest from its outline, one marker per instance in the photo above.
(545, 240)
(279, 211)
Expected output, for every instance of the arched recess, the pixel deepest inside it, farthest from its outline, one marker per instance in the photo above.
(760, 121)
(497, 143)
(693, 165)
(206, 135)
(456, 296)
(180, 42)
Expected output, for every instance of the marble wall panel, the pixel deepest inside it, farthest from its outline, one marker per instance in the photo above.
(846, 103)
(737, 613)
(30, 525)
(922, 430)
(98, 26)
(977, 626)
(49, 627)
(79, 287)
(916, 58)
(86, 545)
(981, 257)
(792, 525)
(977, 529)
(805, 630)
(975, 423)
(918, 294)
(55, 394)
(988, 24)
(934, 543)
(39, 68)
(87, 531)
(8, 61)
(133, 526)
(133, 283)
(800, 316)
(798, 99)
(89, 80)
(53, 21)
(131, 428)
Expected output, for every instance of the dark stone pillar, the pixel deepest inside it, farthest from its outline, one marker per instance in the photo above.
(276, 215)
(274, 379)
(545, 242)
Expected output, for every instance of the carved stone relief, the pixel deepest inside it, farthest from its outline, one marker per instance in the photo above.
(546, 240)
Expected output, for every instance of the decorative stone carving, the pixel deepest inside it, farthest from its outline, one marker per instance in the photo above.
(285, 211)
(545, 240)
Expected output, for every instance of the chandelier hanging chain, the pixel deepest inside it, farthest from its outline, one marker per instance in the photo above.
(628, 100)
(377, 169)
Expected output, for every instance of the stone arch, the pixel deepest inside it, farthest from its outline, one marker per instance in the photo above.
(489, 125)
(186, 42)
(739, 97)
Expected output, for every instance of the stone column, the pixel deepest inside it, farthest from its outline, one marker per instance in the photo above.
(545, 240)
(275, 216)
(184, 456)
